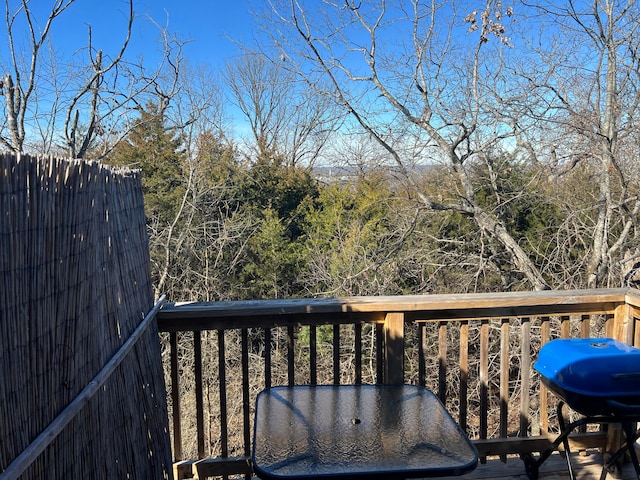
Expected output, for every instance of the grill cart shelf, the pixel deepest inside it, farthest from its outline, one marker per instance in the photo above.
(598, 378)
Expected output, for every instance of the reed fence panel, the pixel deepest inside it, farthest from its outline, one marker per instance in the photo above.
(75, 283)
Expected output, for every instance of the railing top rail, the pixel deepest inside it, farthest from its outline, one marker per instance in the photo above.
(372, 309)
(633, 297)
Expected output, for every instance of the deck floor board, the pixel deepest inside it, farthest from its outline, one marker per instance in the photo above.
(587, 467)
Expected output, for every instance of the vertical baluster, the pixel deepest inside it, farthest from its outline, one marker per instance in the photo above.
(222, 376)
(545, 336)
(504, 380)
(358, 352)
(291, 371)
(442, 361)
(197, 370)
(336, 354)
(464, 373)
(525, 373)
(484, 378)
(545, 330)
(609, 326)
(585, 326)
(245, 392)
(267, 357)
(565, 326)
(175, 397)
(313, 354)
(380, 353)
(422, 358)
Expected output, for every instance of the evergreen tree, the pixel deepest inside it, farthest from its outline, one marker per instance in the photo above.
(277, 196)
(155, 150)
(353, 239)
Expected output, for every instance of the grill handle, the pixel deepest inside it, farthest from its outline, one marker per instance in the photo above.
(623, 407)
(622, 376)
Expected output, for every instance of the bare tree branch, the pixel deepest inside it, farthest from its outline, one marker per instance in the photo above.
(87, 103)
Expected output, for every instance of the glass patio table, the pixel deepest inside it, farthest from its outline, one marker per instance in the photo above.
(357, 431)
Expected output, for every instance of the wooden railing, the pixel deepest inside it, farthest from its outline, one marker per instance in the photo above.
(475, 351)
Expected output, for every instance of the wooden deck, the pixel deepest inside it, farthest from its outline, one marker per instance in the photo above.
(486, 343)
(587, 467)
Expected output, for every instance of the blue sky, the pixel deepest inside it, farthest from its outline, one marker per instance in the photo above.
(211, 26)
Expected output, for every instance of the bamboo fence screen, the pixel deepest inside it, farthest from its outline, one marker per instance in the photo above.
(75, 283)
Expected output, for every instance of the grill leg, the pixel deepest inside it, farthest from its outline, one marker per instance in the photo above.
(532, 465)
(610, 459)
(611, 464)
(632, 435)
(565, 439)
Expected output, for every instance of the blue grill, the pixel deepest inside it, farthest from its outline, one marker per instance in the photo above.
(594, 376)
(599, 378)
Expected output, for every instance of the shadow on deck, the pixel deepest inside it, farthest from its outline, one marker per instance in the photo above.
(587, 466)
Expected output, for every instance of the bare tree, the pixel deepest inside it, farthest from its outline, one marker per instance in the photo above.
(207, 238)
(589, 81)
(428, 95)
(81, 109)
(285, 117)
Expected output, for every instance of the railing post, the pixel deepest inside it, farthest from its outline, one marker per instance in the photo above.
(623, 323)
(394, 348)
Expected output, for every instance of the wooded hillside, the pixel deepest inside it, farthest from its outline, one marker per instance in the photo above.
(488, 147)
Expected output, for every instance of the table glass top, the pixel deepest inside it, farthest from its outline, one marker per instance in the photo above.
(357, 430)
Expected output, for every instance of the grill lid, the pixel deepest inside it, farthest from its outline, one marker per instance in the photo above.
(591, 366)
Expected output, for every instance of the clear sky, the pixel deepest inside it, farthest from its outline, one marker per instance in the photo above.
(210, 26)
